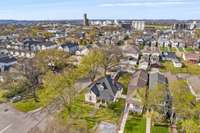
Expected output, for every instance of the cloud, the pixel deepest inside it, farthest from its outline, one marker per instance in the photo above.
(144, 3)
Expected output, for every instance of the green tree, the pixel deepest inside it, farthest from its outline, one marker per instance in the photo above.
(53, 59)
(183, 101)
(190, 126)
(90, 64)
(156, 96)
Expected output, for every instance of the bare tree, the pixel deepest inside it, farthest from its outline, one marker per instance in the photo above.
(33, 76)
(110, 57)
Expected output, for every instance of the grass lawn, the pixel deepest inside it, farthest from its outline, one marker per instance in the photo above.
(159, 129)
(135, 124)
(193, 69)
(27, 105)
(164, 49)
(189, 49)
(2, 99)
(173, 49)
(181, 49)
(45, 97)
(83, 111)
(46, 94)
(51, 88)
(124, 80)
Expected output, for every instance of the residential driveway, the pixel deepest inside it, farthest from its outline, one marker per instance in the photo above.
(13, 121)
(82, 84)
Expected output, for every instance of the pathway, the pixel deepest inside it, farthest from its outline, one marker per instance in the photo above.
(124, 119)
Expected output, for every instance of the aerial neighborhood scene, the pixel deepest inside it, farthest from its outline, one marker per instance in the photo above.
(91, 66)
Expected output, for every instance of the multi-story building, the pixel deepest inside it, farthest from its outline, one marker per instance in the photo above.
(138, 25)
(86, 21)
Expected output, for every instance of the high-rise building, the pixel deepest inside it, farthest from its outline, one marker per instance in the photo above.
(85, 21)
(138, 25)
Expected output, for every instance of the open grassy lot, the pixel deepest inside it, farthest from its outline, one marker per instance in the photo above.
(52, 86)
(84, 111)
(135, 124)
(124, 80)
(159, 129)
(193, 69)
(45, 96)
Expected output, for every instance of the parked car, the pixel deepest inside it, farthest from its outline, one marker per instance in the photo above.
(16, 99)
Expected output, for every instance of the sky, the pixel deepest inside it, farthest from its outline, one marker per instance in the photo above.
(99, 9)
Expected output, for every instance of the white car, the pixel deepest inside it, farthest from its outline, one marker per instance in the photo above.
(16, 99)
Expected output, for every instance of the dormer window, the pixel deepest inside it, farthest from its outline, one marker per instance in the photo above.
(101, 87)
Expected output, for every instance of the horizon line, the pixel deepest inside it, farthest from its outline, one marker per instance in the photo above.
(98, 19)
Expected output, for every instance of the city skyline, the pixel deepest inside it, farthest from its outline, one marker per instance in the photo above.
(99, 9)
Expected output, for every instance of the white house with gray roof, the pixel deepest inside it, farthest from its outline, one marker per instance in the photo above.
(103, 90)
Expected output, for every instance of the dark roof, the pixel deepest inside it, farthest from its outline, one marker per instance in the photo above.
(139, 80)
(105, 88)
(169, 55)
(31, 42)
(69, 45)
(7, 59)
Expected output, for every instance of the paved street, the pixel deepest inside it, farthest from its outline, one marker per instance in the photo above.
(14, 121)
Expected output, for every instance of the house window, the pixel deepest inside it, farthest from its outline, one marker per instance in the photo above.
(90, 98)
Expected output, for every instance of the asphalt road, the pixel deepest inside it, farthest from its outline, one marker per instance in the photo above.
(13, 121)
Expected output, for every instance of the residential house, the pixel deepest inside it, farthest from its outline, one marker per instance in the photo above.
(177, 63)
(164, 42)
(154, 59)
(6, 62)
(82, 51)
(131, 55)
(151, 51)
(171, 56)
(103, 90)
(70, 48)
(144, 62)
(139, 80)
(177, 43)
(191, 57)
(197, 44)
(156, 78)
(35, 46)
(168, 56)
(149, 40)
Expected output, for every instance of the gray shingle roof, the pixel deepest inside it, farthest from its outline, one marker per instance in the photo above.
(105, 88)
(156, 78)
(7, 59)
